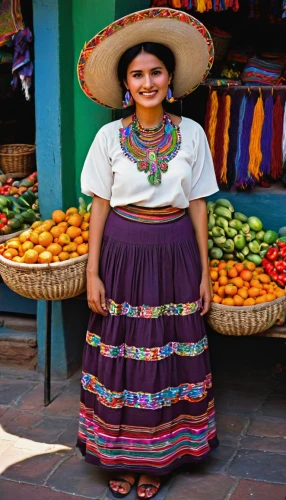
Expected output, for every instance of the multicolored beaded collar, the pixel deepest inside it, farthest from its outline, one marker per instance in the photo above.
(151, 148)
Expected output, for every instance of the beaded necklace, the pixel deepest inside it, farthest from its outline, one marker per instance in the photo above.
(151, 148)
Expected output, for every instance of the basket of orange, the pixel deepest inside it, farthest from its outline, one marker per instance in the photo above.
(245, 300)
(48, 261)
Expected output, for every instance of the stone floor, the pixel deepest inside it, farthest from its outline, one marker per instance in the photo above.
(37, 456)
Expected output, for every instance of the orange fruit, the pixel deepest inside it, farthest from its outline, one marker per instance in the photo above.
(82, 249)
(63, 225)
(70, 247)
(246, 284)
(84, 226)
(36, 224)
(264, 278)
(45, 257)
(13, 244)
(55, 258)
(73, 232)
(228, 301)
(269, 297)
(27, 245)
(58, 216)
(239, 267)
(246, 275)
(243, 293)
(231, 263)
(64, 239)
(231, 290)
(55, 249)
(222, 272)
(64, 256)
(256, 283)
(12, 251)
(21, 251)
(217, 299)
(25, 236)
(237, 282)
(85, 235)
(261, 299)
(56, 231)
(221, 292)
(75, 220)
(279, 293)
(221, 265)
(253, 292)
(216, 287)
(34, 237)
(73, 255)
(39, 248)
(232, 273)
(86, 217)
(31, 256)
(72, 210)
(263, 292)
(214, 275)
(213, 262)
(48, 224)
(249, 302)
(238, 300)
(17, 259)
(223, 280)
(8, 255)
(78, 240)
(250, 265)
(45, 239)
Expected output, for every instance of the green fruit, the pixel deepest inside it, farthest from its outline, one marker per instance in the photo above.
(245, 228)
(228, 256)
(220, 241)
(4, 202)
(254, 246)
(20, 218)
(211, 222)
(230, 232)
(282, 231)
(235, 224)
(260, 235)
(222, 222)
(245, 251)
(222, 212)
(264, 246)
(228, 247)
(256, 259)
(210, 244)
(240, 216)
(240, 256)
(210, 206)
(14, 224)
(225, 203)
(216, 253)
(217, 232)
(6, 230)
(270, 237)
(255, 223)
(251, 236)
(239, 241)
(262, 253)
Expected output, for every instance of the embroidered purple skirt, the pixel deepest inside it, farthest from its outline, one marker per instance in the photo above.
(146, 398)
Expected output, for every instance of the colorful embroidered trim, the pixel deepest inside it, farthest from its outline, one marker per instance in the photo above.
(137, 17)
(166, 397)
(150, 215)
(147, 353)
(149, 312)
(156, 446)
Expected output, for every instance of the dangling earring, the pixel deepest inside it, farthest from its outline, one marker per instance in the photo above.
(128, 100)
(169, 97)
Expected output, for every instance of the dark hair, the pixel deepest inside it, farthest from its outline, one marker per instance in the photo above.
(157, 49)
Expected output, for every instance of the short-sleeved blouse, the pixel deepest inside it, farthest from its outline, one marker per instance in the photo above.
(109, 174)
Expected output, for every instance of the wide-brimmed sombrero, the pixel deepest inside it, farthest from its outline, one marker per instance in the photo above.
(187, 37)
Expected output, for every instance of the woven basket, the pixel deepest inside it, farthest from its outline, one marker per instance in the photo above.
(6, 237)
(58, 281)
(221, 44)
(245, 320)
(17, 159)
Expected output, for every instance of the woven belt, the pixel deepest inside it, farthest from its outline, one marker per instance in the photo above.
(150, 215)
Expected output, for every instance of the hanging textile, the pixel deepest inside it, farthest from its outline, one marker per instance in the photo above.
(198, 5)
(22, 67)
(284, 146)
(255, 155)
(211, 126)
(243, 178)
(234, 123)
(239, 135)
(266, 137)
(227, 106)
(10, 19)
(219, 137)
(276, 150)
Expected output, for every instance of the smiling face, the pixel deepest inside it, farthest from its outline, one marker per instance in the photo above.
(147, 80)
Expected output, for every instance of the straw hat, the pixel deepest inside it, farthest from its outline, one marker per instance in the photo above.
(187, 37)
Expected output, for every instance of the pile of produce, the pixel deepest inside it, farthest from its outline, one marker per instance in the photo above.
(18, 213)
(233, 235)
(274, 262)
(63, 237)
(242, 284)
(14, 187)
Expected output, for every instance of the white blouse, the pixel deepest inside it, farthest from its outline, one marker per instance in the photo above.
(109, 174)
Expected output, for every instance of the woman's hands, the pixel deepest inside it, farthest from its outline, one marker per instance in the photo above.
(96, 295)
(206, 293)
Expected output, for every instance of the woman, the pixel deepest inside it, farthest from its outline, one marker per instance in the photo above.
(147, 403)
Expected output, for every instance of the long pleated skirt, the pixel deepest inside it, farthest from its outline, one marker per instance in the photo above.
(147, 400)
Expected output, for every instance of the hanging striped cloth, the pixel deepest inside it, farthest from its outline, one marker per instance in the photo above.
(227, 106)
(219, 138)
(255, 154)
(243, 179)
(266, 136)
(239, 134)
(236, 100)
(276, 150)
(212, 121)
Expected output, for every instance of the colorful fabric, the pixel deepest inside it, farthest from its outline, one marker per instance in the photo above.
(243, 178)
(255, 154)
(260, 72)
(10, 19)
(149, 215)
(143, 400)
(147, 353)
(22, 67)
(266, 137)
(115, 445)
(152, 312)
